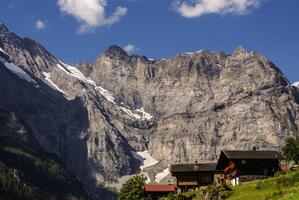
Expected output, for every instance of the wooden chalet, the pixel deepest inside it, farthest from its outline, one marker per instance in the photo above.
(157, 191)
(241, 166)
(193, 176)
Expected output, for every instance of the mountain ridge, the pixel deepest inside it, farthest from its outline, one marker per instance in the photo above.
(98, 116)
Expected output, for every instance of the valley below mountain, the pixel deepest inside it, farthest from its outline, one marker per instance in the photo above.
(121, 114)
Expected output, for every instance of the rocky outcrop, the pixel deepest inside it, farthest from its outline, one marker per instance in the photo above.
(186, 108)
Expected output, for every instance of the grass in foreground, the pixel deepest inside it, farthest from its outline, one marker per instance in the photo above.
(279, 187)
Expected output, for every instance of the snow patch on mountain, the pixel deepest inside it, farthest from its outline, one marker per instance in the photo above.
(145, 115)
(148, 179)
(48, 79)
(189, 53)
(108, 95)
(192, 53)
(138, 113)
(146, 159)
(296, 84)
(73, 71)
(18, 71)
(160, 176)
(130, 112)
(1, 50)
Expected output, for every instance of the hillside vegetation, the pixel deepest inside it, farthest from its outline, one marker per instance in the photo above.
(26, 173)
(279, 187)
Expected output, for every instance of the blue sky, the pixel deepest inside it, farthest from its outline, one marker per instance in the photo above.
(79, 30)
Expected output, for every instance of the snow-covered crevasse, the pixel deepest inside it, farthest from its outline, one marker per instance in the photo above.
(139, 114)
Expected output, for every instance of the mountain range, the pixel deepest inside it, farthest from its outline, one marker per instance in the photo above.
(121, 114)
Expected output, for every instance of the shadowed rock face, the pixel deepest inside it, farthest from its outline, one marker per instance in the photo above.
(65, 113)
(182, 109)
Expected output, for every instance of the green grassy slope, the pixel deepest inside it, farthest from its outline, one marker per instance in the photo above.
(280, 187)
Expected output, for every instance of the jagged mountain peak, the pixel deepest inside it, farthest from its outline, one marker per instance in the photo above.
(115, 51)
(35, 48)
(25, 52)
(240, 50)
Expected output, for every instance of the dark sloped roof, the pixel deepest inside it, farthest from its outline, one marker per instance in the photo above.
(253, 155)
(196, 167)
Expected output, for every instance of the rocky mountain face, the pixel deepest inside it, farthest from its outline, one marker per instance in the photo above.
(103, 118)
(203, 101)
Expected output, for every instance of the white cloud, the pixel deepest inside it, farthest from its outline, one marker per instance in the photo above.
(197, 8)
(40, 25)
(91, 13)
(130, 48)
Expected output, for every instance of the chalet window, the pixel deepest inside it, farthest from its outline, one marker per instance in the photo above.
(243, 162)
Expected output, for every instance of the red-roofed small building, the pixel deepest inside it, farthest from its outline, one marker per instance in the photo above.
(157, 191)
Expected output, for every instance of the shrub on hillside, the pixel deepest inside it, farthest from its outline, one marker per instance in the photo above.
(133, 189)
(291, 149)
(181, 197)
(170, 196)
(285, 181)
(217, 192)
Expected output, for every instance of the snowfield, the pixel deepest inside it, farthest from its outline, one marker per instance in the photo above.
(146, 159)
(160, 176)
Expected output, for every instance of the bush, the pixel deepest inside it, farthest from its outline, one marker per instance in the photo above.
(170, 196)
(181, 197)
(258, 185)
(291, 149)
(226, 187)
(216, 192)
(284, 181)
(133, 189)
